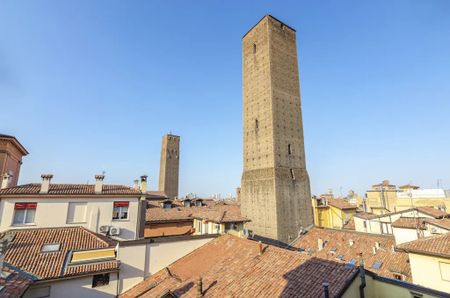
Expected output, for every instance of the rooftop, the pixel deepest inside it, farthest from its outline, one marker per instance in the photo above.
(409, 223)
(433, 246)
(25, 251)
(232, 267)
(13, 283)
(215, 211)
(345, 247)
(16, 143)
(69, 189)
(341, 204)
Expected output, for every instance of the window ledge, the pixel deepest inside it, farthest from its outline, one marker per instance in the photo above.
(120, 220)
(23, 225)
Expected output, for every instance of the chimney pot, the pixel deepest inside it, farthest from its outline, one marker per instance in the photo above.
(136, 184)
(144, 183)
(45, 185)
(99, 183)
(320, 244)
(6, 180)
(351, 242)
(200, 288)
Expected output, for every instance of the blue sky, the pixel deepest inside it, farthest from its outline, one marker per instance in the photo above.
(91, 86)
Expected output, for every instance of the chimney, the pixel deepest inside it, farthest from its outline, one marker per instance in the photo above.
(320, 244)
(374, 250)
(6, 179)
(99, 183)
(351, 242)
(377, 245)
(45, 185)
(260, 248)
(144, 183)
(136, 184)
(200, 288)
(326, 289)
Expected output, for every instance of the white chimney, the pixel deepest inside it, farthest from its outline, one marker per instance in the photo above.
(136, 184)
(45, 185)
(99, 183)
(144, 183)
(6, 179)
(320, 243)
(374, 250)
(351, 242)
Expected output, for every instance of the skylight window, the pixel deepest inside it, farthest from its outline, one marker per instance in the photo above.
(351, 264)
(340, 257)
(377, 265)
(50, 247)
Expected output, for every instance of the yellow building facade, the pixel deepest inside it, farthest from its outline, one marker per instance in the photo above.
(332, 213)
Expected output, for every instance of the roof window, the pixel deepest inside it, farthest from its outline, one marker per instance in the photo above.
(351, 264)
(53, 247)
(377, 265)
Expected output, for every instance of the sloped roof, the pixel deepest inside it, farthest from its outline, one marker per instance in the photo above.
(409, 223)
(341, 204)
(16, 143)
(24, 251)
(436, 213)
(337, 243)
(69, 189)
(218, 211)
(442, 222)
(233, 267)
(15, 284)
(433, 246)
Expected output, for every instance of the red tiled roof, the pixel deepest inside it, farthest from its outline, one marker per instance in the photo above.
(365, 215)
(24, 251)
(434, 246)
(350, 225)
(409, 223)
(341, 204)
(220, 212)
(337, 243)
(442, 222)
(15, 284)
(436, 213)
(69, 189)
(233, 267)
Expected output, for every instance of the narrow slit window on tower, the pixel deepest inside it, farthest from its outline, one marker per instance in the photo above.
(292, 174)
(289, 149)
(254, 48)
(256, 124)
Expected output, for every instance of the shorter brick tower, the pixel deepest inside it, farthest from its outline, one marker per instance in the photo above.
(11, 153)
(170, 165)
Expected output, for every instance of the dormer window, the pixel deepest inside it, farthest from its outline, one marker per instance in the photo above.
(167, 204)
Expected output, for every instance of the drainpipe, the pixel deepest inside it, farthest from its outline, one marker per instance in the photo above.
(118, 285)
(362, 275)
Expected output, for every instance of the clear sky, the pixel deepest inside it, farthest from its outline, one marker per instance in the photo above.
(91, 86)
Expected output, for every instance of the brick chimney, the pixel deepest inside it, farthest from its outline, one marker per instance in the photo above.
(99, 183)
(6, 180)
(45, 185)
(144, 183)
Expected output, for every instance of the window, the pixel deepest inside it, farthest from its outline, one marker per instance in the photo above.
(217, 228)
(365, 224)
(377, 265)
(50, 247)
(256, 124)
(254, 48)
(76, 212)
(100, 280)
(120, 210)
(351, 264)
(445, 271)
(398, 276)
(24, 213)
(289, 149)
(292, 174)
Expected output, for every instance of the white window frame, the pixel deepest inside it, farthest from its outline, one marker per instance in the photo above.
(24, 222)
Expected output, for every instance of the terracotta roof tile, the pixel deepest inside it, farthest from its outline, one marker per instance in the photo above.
(365, 215)
(434, 246)
(349, 244)
(69, 189)
(341, 204)
(24, 251)
(443, 222)
(220, 212)
(15, 284)
(233, 267)
(436, 213)
(350, 225)
(409, 223)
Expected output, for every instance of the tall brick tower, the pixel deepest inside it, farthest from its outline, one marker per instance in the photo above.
(275, 191)
(169, 166)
